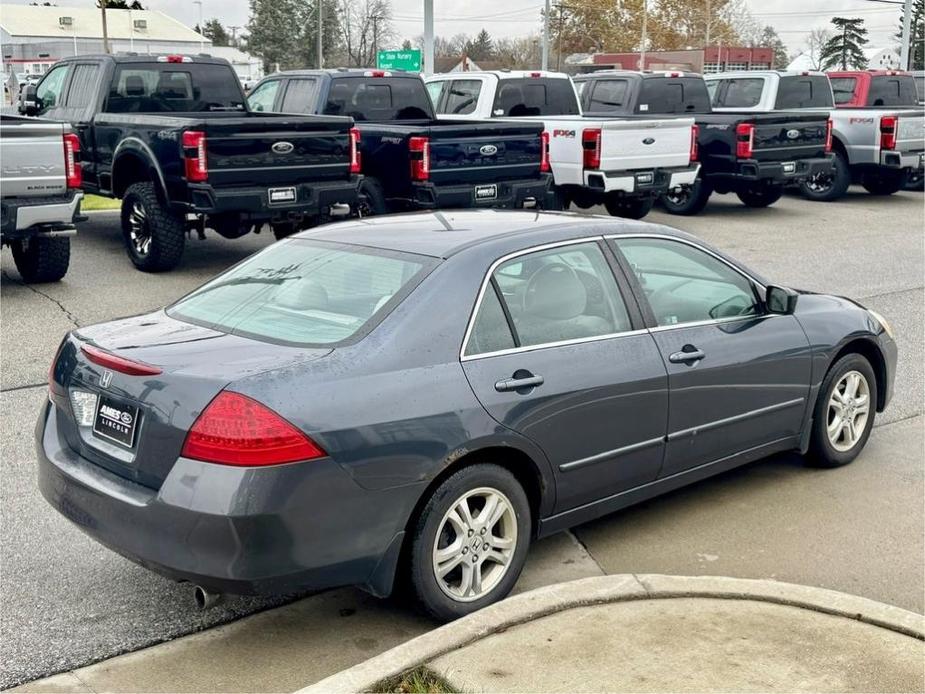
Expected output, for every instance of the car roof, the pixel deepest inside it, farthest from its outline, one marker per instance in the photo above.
(648, 74)
(343, 72)
(445, 233)
(201, 58)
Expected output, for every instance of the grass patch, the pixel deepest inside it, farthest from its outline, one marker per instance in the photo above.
(421, 680)
(95, 202)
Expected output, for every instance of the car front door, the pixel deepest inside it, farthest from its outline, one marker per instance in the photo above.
(738, 376)
(556, 352)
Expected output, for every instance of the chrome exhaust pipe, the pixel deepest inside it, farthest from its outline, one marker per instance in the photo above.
(205, 598)
(530, 203)
(339, 209)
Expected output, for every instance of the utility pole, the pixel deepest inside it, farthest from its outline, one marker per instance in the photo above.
(319, 43)
(428, 67)
(202, 39)
(706, 38)
(642, 48)
(904, 57)
(545, 64)
(234, 35)
(105, 32)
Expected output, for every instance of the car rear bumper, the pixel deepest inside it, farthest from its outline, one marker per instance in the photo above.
(29, 216)
(780, 172)
(271, 530)
(507, 194)
(902, 160)
(644, 182)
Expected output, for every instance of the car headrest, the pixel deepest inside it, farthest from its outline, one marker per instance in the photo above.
(555, 292)
(134, 86)
(303, 294)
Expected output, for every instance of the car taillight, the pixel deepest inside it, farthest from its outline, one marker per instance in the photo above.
(544, 152)
(117, 363)
(234, 429)
(695, 133)
(591, 147)
(194, 156)
(420, 158)
(355, 164)
(53, 387)
(745, 140)
(828, 135)
(888, 126)
(72, 170)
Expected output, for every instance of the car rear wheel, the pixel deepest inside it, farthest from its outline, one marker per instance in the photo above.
(372, 198)
(687, 200)
(470, 541)
(154, 235)
(631, 208)
(42, 259)
(829, 186)
(844, 413)
(915, 181)
(884, 182)
(760, 197)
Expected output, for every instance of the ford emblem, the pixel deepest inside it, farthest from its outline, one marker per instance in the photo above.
(488, 150)
(282, 147)
(648, 141)
(793, 134)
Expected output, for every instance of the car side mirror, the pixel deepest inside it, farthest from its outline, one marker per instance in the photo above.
(780, 299)
(28, 101)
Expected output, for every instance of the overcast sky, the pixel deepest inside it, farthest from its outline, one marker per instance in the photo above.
(792, 18)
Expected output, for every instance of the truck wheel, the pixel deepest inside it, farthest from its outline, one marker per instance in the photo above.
(631, 208)
(687, 200)
(830, 186)
(42, 259)
(283, 229)
(883, 182)
(154, 235)
(760, 197)
(915, 181)
(372, 198)
(583, 200)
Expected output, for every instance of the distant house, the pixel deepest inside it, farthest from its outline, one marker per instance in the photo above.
(877, 59)
(716, 58)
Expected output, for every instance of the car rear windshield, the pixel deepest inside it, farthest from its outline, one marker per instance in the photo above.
(535, 96)
(173, 87)
(673, 95)
(304, 292)
(379, 99)
(892, 90)
(804, 91)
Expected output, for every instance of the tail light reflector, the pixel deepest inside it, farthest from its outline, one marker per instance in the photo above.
(72, 170)
(591, 146)
(194, 156)
(745, 140)
(544, 152)
(236, 430)
(828, 135)
(377, 73)
(420, 158)
(355, 163)
(695, 149)
(888, 126)
(129, 367)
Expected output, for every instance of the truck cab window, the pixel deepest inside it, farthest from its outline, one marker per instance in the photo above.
(812, 91)
(264, 96)
(739, 93)
(608, 95)
(434, 90)
(674, 95)
(83, 85)
(891, 91)
(535, 97)
(382, 99)
(49, 91)
(300, 96)
(843, 88)
(181, 88)
(462, 97)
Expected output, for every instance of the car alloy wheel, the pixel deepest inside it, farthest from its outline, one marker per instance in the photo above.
(475, 543)
(819, 183)
(848, 410)
(138, 232)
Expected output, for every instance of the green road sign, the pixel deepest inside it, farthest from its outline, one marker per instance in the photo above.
(399, 60)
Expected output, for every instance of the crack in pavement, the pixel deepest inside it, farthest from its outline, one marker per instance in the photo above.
(891, 293)
(26, 386)
(70, 316)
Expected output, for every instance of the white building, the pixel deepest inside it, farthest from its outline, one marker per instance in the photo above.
(877, 59)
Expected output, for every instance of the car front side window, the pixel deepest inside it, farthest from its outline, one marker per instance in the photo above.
(264, 96)
(49, 92)
(684, 284)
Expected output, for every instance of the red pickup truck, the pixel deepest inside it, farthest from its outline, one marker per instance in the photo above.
(872, 88)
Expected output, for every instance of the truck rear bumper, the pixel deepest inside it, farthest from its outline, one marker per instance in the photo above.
(642, 182)
(902, 160)
(782, 172)
(532, 192)
(310, 199)
(23, 217)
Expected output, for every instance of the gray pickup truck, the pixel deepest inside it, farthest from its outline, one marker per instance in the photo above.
(40, 179)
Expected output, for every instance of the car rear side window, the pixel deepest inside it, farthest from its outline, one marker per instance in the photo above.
(379, 99)
(300, 96)
(738, 93)
(608, 95)
(890, 91)
(811, 91)
(263, 98)
(304, 292)
(174, 87)
(843, 88)
(673, 95)
(462, 97)
(82, 85)
(535, 96)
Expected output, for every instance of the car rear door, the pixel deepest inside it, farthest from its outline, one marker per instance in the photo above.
(738, 376)
(555, 351)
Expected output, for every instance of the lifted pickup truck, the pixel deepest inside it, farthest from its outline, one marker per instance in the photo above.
(754, 155)
(624, 163)
(172, 137)
(409, 160)
(876, 147)
(41, 195)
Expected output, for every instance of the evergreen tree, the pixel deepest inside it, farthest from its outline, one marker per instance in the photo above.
(284, 32)
(481, 47)
(406, 45)
(916, 36)
(215, 32)
(845, 49)
(770, 39)
(120, 5)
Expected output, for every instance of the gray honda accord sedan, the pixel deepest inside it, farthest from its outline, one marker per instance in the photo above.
(420, 396)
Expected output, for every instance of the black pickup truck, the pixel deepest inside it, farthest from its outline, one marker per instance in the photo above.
(173, 138)
(409, 159)
(754, 155)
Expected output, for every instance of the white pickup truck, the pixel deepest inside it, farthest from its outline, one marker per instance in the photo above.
(624, 163)
(877, 147)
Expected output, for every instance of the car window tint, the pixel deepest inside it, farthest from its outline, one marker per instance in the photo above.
(739, 93)
(673, 95)
(462, 97)
(898, 90)
(920, 87)
(684, 284)
(843, 88)
(49, 90)
(303, 292)
(174, 88)
(379, 99)
(300, 96)
(491, 331)
(564, 293)
(82, 86)
(433, 91)
(608, 95)
(535, 96)
(812, 91)
(264, 96)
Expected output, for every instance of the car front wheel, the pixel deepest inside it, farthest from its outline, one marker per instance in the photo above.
(630, 208)
(687, 200)
(470, 541)
(760, 197)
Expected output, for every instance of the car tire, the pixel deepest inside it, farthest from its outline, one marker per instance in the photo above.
(828, 449)
(826, 188)
(283, 229)
(760, 197)
(689, 200)
(630, 208)
(42, 259)
(154, 235)
(454, 595)
(884, 182)
(372, 198)
(915, 181)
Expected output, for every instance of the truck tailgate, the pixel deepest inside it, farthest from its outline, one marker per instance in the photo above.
(911, 131)
(476, 152)
(32, 156)
(645, 143)
(785, 136)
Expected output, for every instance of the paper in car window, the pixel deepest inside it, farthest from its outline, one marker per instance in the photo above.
(643, 107)
(499, 111)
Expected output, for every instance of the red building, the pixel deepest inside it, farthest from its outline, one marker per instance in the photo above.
(709, 59)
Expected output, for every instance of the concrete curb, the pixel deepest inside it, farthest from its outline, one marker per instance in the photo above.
(606, 589)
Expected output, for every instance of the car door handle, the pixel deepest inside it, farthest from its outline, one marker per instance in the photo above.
(688, 355)
(519, 381)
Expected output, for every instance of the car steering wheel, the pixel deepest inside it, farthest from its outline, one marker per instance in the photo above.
(530, 289)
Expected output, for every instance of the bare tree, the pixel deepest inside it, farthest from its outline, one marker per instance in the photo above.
(366, 27)
(814, 42)
(518, 53)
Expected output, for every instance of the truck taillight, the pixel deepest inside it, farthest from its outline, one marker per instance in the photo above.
(745, 140)
(72, 170)
(828, 135)
(194, 156)
(695, 151)
(888, 127)
(544, 152)
(355, 164)
(591, 147)
(419, 147)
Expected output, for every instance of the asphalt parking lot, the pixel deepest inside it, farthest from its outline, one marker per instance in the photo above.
(65, 601)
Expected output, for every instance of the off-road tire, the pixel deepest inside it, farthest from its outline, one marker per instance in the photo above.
(690, 201)
(372, 198)
(838, 184)
(884, 183)
(763, 196)
(167, 230)
(629, 208)
(42, 259)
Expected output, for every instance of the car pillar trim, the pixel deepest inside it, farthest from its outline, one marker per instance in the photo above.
(683, 433)
(606, 455)
(713, 321)
(547, 345)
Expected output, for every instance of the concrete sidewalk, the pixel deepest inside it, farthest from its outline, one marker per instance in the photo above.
(665, 633)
